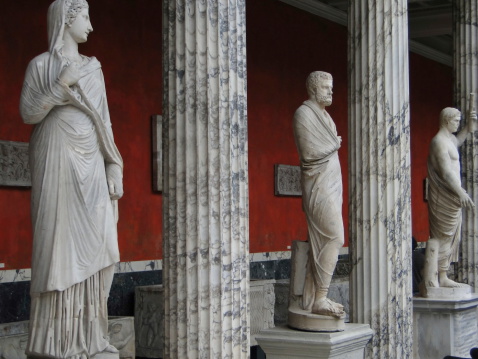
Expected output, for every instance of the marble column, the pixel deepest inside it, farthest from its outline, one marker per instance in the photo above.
(465, 66)
(379, 175)
(205, 198)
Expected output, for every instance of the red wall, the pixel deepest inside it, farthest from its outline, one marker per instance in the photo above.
(127, 41)
(284, 45)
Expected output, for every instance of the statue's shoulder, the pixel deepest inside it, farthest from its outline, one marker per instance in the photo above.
(40, 59)
(303, 112)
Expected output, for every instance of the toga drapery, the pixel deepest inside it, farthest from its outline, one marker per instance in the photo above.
(74, 226)
(317, 143)
(444, 217)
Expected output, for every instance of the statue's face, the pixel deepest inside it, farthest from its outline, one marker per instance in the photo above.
(323, 93)
(81, 27)
(454, 123)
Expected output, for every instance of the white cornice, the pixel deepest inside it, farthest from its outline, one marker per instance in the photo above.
(430, 53)
(320, 9)
(340, 17)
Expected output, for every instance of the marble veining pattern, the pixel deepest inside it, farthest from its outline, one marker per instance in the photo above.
(205, 185)
(15, 275)
(465, 36)
(379, 175)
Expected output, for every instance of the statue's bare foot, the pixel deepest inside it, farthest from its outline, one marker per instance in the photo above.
(111, 349)
(447, 282)
(327, 307)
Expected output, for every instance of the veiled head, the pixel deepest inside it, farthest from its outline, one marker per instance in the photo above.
(60, 14)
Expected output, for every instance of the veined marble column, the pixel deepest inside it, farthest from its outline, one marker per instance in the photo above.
(206, 230)
(379, 175)
(465, 38)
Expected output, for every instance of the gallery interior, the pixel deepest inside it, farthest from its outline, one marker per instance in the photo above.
(201, 96)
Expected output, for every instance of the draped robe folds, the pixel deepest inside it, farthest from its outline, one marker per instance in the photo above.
(321, 180)
(74, 225)
(444, 217)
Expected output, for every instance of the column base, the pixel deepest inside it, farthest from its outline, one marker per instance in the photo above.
(444, 326)
(286, 343)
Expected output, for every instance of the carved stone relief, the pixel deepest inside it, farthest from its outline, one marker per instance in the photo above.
(287, 180)
(14, 169)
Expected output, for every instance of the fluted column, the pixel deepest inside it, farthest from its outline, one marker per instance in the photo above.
(379, 175)
(465, 66)
(205, 243)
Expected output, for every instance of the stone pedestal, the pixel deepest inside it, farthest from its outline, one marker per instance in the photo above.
(14, 336)
(281, 291)
(285, 343)
(444, 327)
(262, 299)
(149, 321)
(106, 356)
(122, 336)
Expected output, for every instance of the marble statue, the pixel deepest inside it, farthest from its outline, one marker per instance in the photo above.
(321, 181)
(76, 174)
(446, 198)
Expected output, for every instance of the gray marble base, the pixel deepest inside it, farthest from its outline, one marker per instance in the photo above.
(13, 340)
(122, 336)
(14, 336)
(285, 343)
(444, 327)
(149, 321)
(449, 293)
(106, 356)
(262, 299)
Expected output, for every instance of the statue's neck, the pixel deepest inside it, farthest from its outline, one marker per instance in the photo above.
(70, 49)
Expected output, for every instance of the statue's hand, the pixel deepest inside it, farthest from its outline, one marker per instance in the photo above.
(70, 74)
(114, 179)
(466, 201)
(115, 188)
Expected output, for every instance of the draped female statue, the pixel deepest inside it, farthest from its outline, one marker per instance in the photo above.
(76, 181)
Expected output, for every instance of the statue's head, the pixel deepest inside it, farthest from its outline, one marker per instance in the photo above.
(62, 13)
(319, 87)
(447, 115)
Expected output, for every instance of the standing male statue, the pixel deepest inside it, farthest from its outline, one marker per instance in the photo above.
(321, 181)
(76, 180)
(446, 198)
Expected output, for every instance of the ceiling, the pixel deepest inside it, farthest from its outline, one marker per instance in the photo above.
(430, 23)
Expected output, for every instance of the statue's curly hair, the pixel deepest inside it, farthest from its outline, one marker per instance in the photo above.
(73, 8)
(314, 79)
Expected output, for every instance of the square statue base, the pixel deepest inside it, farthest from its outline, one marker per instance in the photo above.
(286, 343)
(106, 356)
(444, 326)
